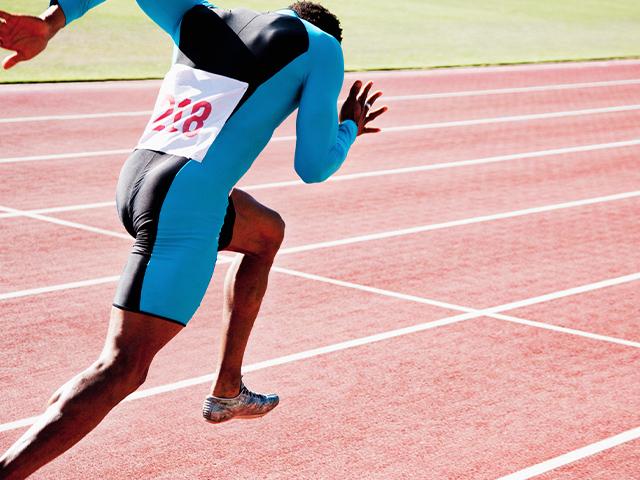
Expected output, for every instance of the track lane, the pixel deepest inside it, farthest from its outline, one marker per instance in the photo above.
(121, 132)
(388, 98)
(43, 99)
(36, 253)
(19, 309)
(422, 198)
(369, 433)
(491, 263)
(55, 182)
(619, 462)
(604, 311)
(341, 177)
(92, 97)
(71, 326)
(382, 204)
(192, 450)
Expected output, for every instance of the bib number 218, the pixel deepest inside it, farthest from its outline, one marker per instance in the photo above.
(193, 107)
(198, 114)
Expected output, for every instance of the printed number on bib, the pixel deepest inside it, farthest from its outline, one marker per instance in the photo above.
(199, 113)
(192, 107)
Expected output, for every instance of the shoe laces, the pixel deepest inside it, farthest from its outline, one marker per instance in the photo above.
(252, 395)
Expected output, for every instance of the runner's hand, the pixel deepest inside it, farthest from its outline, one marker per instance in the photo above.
(27, 35)
(357, 107)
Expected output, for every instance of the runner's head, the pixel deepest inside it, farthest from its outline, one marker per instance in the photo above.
(320, 17)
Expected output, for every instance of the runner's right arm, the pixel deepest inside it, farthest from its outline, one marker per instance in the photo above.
(167, 14)
(28, 35)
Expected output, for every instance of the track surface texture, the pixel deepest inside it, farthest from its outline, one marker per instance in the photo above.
(459, 302)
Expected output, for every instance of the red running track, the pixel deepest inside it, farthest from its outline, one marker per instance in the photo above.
(499, 269)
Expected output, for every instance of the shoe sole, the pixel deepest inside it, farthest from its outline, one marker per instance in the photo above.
(240, 417)
(244, 417)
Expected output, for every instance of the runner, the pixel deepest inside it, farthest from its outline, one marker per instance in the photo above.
(237, 75)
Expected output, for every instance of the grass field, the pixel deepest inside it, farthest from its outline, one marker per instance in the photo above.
(116, 40)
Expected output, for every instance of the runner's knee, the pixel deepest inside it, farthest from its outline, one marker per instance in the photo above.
(111, 379)
(271, 234)
(127, 371)
(276, 229)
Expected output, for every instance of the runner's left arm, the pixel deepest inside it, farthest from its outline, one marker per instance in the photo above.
(322, 143)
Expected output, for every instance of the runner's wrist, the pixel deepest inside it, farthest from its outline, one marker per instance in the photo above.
(54, 19)
(351, 128)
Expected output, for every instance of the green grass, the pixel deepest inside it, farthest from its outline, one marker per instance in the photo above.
(116, 40)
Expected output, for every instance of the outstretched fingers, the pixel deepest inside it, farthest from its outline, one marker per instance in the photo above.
(12, 60)
(355, 89)
(365, 93)
(371, 116)
(375, 114)
(358, 105)
(369, 103)
(375, 97)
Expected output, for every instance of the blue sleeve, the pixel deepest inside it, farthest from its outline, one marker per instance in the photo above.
(167, 14)
(322, 145)
(74, 9)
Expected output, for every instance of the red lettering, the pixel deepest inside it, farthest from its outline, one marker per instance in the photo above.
(204, 110)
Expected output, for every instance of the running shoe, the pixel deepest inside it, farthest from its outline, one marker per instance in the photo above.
(246, 405)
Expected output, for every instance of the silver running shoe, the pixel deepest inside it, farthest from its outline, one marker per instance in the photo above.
(246, 405)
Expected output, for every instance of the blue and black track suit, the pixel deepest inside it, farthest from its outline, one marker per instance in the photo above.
(175, 206)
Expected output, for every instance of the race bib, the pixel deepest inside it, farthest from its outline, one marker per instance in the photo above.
(191, 109)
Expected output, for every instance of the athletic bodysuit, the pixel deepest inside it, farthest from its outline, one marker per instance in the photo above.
(237, 75)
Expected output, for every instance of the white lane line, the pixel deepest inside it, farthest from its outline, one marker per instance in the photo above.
(374, 290)
(378, 173)
(66, 223)
(565, 293)
(23, 422)
(59, 287)
(457, 223)
(154, 84)
(392, 98)
(405, 128)
(574, 455)
(535, 88)
(65, 156)
(408, 231)
(68, 208)
(145, 113)
(513, 118)
(570, 331)
(77, 116)
(491, 312)
(346, 344)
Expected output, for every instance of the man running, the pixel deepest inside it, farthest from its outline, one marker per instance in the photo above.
(237, 75)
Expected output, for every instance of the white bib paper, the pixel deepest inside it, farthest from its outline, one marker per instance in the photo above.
(191, 109)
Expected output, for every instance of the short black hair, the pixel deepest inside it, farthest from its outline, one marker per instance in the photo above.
(319, 16)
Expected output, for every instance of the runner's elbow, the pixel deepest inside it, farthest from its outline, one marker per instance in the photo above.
(311, 175)
(311, 179)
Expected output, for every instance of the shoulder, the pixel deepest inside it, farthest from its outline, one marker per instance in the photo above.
(323, 47)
